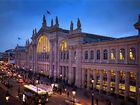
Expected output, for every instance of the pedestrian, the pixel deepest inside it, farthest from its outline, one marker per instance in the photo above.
(96, 101)
(68, 94)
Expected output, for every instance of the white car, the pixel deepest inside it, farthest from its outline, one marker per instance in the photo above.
(72, 101)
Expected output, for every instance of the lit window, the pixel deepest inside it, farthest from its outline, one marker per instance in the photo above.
(113, 54)
(75, 55)
(132, 53)
(64, 49)
(43, 44)
(133, 75)
(122, 54)
(63, 46)
(132, 89)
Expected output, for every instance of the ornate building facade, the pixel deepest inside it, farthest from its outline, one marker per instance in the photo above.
(113, 63)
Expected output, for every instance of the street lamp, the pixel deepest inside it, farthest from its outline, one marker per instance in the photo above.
(41, 71)
(92, 82)
(7, 97)
(73, 94)
(60, 75)
(92, 94)
(37, 85)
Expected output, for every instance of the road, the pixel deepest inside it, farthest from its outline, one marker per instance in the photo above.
(55, 99)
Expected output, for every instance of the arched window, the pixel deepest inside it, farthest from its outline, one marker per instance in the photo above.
(91, 54)
(64, 49)
(122, 54)
(67, 55)
(113, 54)
(64, 56)
(43, 44)
(105, 53)
(98, 54)
(75, 55)
(43, 48)
(64, 45)
(86, 54)
(61, 55)
(132, 53)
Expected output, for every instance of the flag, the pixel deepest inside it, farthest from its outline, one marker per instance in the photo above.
(19, 38)
(48, 12)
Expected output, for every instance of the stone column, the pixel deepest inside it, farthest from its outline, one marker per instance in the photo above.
(62, 72)
(127, 78)
(117, 55)
(83, 77)
(70, 66)
(126, 54)
(101, 55)
(117, 80)
(51, 63)
(67, 74)
(78, 66)
(108, 81)
(95, 78)
(88, 79)
(101, 80)
(109, 55)
(95, 55)
(137, 87)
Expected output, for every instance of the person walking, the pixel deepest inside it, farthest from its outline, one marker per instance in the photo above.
(68, 94)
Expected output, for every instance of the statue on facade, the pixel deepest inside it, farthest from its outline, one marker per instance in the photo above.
(44, 24)
(56, 20)
(51, 22)
(35, 31)
(78, 24)
(71, 26)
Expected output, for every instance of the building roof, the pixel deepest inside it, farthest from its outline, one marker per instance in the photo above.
(21, 48)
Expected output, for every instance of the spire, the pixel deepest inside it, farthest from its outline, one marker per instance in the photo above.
(51, 22)
(78, 24)
(35, 31)
(56, 21)
(44, 24)
(71, 26)
(137, 25)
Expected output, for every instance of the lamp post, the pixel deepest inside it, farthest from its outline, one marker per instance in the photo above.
(37, 85)
(61, 77)
(73, 94)
(7, 97)
(92, 94)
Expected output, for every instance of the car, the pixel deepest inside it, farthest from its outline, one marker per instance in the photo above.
(72, 101)
(20, 81)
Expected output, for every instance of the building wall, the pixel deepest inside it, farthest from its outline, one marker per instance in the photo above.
(73, 63)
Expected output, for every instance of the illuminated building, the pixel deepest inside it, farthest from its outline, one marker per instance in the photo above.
(113, 63)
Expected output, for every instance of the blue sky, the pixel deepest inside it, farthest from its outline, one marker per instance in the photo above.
(105, 17)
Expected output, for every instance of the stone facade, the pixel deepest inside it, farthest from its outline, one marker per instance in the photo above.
(78, 58)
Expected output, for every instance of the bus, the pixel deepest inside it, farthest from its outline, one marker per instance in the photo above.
(34, 95)
(47, 88)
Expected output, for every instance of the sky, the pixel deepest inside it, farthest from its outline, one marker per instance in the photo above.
(114, 18)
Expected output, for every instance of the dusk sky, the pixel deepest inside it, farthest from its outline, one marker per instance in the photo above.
(104, 17)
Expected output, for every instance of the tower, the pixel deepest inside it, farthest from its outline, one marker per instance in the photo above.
(137, 25)
(44, 23)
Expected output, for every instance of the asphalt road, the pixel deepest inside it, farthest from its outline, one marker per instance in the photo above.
(12, 100)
